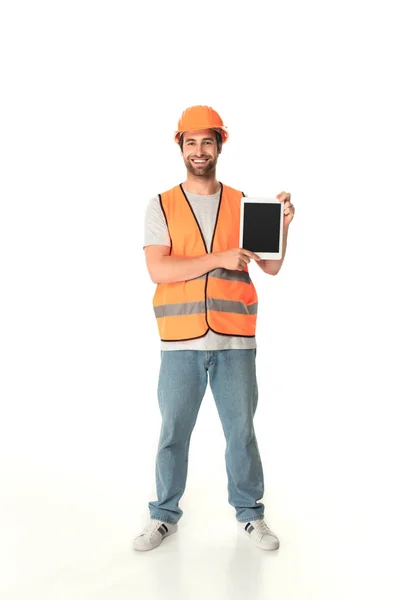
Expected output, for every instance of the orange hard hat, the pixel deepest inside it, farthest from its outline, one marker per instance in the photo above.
(200, 117)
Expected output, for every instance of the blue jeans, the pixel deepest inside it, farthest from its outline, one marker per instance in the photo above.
(181, 387)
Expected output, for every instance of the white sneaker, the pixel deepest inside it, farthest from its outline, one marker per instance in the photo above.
(260, 534)
(153, 534)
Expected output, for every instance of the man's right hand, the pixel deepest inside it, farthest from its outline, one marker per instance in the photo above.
(236, 259)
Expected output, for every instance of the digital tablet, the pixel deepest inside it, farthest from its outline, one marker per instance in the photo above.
(261, 226)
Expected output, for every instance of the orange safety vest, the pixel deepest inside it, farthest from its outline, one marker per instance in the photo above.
(222, 300)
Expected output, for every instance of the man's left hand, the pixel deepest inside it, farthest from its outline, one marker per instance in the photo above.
(288, 208)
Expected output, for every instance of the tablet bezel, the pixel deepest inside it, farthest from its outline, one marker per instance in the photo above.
(266, 200)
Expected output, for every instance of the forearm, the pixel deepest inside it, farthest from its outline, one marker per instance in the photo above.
(272, 267)
(171, 269)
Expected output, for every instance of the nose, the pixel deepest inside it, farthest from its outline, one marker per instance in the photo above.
(200, 150)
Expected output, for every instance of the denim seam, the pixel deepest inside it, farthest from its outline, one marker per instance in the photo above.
(250, 519)
(159, 518)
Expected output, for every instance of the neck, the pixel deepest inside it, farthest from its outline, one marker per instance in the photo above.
(204, 186)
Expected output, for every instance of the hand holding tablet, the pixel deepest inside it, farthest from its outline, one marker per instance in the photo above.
(261, 226)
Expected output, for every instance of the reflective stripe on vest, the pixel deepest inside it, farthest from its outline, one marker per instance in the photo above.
(194, 308)
(222, 300)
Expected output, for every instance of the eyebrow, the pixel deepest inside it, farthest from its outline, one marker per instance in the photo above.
(203, 139)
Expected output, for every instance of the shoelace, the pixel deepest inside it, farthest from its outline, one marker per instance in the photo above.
(151, 528)
(261, 526)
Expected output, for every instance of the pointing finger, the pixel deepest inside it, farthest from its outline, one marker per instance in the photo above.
(251, 254)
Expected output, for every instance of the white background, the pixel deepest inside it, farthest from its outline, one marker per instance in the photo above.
(91, 95)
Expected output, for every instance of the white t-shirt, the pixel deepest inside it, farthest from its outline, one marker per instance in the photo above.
(156, 232)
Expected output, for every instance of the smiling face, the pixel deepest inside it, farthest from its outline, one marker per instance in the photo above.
(200, 151)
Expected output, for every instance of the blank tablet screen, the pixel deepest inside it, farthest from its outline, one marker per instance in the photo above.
(261, 226)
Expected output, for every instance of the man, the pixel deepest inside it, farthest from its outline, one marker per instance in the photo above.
(206, 309)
